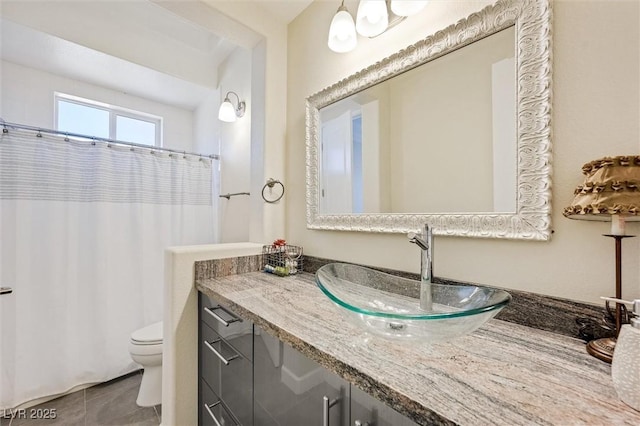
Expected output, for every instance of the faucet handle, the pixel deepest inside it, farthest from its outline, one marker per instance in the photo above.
(418, 240)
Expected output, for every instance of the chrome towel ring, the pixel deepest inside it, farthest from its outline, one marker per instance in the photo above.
(271, 183)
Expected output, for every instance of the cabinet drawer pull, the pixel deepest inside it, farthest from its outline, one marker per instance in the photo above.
(208, 408)
(6, 290)
(218, 354)
(219, 318)
(326, 407)
(224, 407)
(359, 423)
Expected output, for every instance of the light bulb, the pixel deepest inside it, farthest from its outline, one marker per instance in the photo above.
(342, 32)
(227, 112)
(372, 18)
(373, 15)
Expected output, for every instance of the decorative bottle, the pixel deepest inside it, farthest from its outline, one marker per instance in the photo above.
(625, 366)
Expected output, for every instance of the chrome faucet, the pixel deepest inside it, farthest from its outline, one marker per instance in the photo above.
(424, 240)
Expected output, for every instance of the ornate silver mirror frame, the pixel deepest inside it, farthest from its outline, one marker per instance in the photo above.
(532, 219)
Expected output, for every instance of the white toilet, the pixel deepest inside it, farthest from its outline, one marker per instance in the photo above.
(145, 347)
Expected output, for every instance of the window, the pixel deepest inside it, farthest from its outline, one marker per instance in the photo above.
(91, 118)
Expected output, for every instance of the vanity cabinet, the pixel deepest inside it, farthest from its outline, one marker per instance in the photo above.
(248, 377)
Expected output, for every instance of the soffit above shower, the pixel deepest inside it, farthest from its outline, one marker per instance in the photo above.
(148, 49)
(35, 49)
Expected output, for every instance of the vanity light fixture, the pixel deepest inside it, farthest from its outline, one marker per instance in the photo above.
(342, 32)
(228, 112)
(373, 18)
(610, 192)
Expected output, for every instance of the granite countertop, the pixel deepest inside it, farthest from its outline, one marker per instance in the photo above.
(502, 374)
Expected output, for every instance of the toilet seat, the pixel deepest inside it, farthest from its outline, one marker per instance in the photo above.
(149, 335)
(138, 350)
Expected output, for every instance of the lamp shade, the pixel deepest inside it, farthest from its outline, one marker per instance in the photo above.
(227, 112)
(342, 32)
(372, 18)
(611, 190)
(407, 7)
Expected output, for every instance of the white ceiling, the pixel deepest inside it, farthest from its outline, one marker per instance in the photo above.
(168, 51)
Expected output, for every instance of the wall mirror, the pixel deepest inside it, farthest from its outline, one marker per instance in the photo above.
(453, 130)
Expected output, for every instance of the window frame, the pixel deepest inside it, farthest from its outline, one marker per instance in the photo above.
(114, 112)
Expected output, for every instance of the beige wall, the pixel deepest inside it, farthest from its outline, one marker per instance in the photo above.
(270, 121)
(596, 113)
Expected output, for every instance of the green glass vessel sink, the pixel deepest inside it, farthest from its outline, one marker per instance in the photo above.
(389, 306)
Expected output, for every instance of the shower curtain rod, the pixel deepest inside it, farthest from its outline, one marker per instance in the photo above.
(5, 125)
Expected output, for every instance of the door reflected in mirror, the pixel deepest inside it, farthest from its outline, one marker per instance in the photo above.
(441, 137)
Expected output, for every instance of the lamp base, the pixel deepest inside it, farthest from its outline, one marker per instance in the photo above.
(602, 348)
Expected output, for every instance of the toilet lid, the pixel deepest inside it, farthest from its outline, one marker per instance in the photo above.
(149, 335)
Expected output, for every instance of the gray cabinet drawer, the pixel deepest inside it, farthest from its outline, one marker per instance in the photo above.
(228, 373)
(236, 331)
(212, 411)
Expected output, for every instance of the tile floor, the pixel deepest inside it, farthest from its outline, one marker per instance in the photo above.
(108, 404)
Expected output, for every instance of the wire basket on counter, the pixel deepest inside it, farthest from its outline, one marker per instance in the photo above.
(282, 259)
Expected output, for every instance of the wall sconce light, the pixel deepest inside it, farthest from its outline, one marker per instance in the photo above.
(373, 18)
(610, 192)
(228, 112)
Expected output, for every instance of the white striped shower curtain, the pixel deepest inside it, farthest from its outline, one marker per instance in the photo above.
(83, 228)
